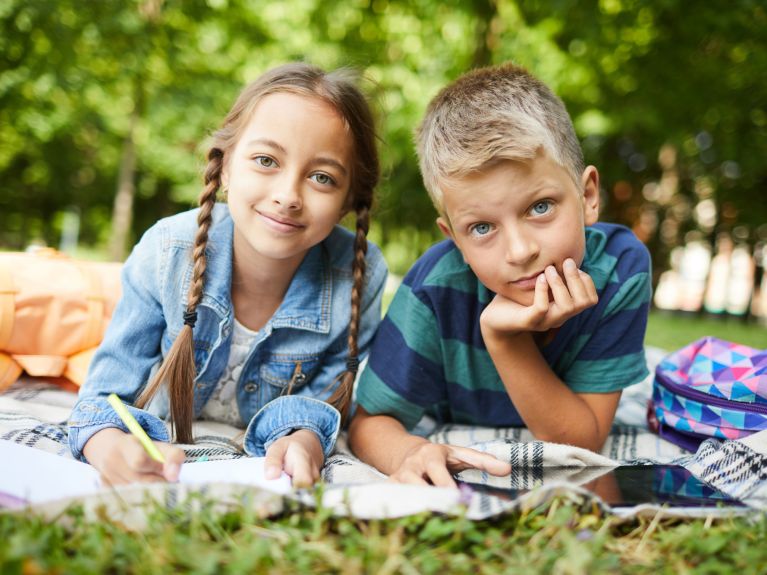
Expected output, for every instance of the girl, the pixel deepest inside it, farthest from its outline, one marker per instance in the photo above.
(239, 312)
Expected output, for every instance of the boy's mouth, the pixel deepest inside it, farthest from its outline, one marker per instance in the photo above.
(527, 282)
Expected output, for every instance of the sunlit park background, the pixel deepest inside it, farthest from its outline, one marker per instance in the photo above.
(105, 107)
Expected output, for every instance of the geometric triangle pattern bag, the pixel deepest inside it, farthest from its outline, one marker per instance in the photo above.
(709, 388)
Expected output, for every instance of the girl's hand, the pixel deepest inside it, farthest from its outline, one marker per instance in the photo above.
(299, 454)
(570, 296)
(121, 459)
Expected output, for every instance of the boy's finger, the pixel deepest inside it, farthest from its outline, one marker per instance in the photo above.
(482, 461)
(541, 298)
(562, 296)
(574, 281)
(588, 283)
(439, 475)
(407, 477)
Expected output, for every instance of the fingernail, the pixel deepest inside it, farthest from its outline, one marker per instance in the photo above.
(569, 264)
(272, 472)
(542, 279)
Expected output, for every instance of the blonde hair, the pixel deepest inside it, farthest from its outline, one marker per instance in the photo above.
(339, 90)
(489, 114)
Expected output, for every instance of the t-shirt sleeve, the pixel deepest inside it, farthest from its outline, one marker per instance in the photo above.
(613, 356)
(404, 374)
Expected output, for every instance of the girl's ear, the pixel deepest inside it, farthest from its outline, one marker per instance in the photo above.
(590, 186)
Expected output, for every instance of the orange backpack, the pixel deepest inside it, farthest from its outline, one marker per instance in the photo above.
(53, 313)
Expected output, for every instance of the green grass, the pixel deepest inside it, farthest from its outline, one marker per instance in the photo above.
(561, 537)
(672, 331)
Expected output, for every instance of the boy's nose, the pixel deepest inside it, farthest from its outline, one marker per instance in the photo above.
(520, 248)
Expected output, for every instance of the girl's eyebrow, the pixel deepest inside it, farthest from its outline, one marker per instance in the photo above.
(266, 142)
(323, 160)
(318, 161)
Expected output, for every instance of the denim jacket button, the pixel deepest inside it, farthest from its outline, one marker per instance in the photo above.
(250, 387)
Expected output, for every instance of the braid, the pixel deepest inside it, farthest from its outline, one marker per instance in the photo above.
(342, 396)
(178, 368)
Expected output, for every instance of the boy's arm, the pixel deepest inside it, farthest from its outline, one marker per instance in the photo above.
(550, 409)
(383, 442)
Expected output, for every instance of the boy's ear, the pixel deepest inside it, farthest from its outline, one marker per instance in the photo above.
(444, 226)
(590, 186)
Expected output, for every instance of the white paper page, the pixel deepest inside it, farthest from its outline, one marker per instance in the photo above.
(246, 471)
(32, 475)
(36, 476)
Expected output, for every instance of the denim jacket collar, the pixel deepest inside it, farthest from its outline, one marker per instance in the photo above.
(306, 304)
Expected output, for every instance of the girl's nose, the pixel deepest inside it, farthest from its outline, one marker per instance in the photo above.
(287, 193)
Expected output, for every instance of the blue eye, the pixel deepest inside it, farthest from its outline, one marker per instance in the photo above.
(323, 179)
(480, 229)
(265, 161)
(541, 208)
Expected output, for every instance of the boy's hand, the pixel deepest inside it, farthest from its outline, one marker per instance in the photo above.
(433, 464)
(299, 454)
(570, 296)
(121, 459)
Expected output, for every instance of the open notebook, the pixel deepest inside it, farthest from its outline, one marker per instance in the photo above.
(32, 476)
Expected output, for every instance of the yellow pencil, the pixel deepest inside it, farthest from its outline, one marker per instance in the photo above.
(135, 428)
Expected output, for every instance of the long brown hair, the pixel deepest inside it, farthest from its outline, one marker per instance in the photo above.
(338, 89)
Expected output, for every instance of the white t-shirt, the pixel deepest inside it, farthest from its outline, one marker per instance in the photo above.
(222, 405)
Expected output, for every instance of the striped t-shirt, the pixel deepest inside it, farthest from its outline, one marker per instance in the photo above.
(428, 356)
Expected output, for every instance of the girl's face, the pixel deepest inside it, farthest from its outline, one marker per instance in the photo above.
(288, 178)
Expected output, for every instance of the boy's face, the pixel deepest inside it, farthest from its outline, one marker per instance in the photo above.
(513, 219)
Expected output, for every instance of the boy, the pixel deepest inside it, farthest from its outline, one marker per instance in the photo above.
(530, 313)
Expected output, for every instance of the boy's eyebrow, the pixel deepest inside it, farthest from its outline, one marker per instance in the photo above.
(319, 160)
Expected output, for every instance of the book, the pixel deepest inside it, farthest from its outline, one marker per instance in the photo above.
(32, 476)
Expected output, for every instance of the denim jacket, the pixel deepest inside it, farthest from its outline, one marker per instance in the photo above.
(305, 341)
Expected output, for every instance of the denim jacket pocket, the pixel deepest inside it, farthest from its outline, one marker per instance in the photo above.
(284, 374)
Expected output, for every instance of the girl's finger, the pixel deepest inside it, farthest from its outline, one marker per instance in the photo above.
(302, 475)
(275, 459)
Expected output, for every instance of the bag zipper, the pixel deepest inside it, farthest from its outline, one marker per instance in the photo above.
(707, 399)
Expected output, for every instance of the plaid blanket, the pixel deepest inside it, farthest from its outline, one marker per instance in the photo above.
(34, 413)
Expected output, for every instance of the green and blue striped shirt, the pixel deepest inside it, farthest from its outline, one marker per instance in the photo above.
(428, 356)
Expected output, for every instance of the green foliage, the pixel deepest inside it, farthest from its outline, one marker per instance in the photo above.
(562, 537)
(636, 77)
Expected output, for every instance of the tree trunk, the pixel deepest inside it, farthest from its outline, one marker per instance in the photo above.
(484, 35)
(122, 210)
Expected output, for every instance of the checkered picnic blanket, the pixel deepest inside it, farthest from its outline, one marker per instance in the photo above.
(34, 413)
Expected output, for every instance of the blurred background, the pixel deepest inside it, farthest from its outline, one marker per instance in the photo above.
(106, 105)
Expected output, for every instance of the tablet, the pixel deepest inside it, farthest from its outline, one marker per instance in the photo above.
(631, 485)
